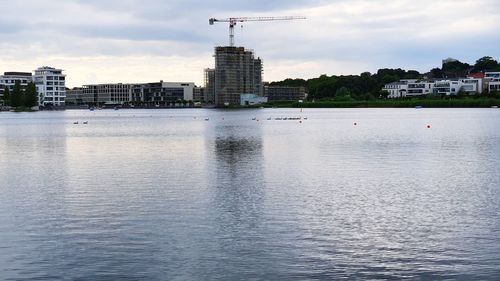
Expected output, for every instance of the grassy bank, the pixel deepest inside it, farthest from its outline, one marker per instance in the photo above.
(436, 103)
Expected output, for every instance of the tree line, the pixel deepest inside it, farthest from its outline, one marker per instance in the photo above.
(21, 97)
(368, 86)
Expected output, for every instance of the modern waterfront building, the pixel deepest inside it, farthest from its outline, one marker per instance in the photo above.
(474, 84)
(409, 88)
(162, 93)
(9, 79)
(100, 94)
(396, 89)
(50, 85)
(237, 72)
(447, 87)
(283, 93)
(418, 88)
(156, 93)
(493, 81)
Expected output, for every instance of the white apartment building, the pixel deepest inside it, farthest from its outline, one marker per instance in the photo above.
(472, 85)
(493, 81)
(51, 86)
(447, 87)
(396, 89)
(410, 88)
(419, 88)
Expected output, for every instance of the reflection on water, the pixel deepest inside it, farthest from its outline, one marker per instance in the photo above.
(155, 195)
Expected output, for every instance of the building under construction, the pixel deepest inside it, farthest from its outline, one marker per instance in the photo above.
(237, 72)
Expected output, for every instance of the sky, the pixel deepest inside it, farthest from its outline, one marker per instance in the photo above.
(133, 41)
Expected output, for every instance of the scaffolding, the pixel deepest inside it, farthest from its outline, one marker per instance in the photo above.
(237, 72)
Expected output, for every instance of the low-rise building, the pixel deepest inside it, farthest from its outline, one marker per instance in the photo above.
(447, 87)
(162, 93)
(154, 94)
(492, 80)
(474, 84)
(396, 89)
(418, 88)
(9, 79)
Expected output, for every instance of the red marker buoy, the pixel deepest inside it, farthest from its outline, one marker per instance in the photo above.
(428, 126)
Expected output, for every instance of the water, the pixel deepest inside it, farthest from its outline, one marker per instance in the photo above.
(166, 195)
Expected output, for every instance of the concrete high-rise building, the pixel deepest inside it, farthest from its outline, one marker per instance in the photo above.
(209, 85)
(51, 86)
(237, 72)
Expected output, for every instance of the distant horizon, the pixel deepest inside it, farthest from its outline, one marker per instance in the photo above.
(267, 81)
(133, 41)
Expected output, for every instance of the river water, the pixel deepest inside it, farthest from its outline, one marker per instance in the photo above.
(169, 195)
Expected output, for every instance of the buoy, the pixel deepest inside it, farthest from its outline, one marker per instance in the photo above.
(300, 121)
(428, 126)
(355, 124)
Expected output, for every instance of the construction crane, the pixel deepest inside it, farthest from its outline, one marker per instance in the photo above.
(234, 21)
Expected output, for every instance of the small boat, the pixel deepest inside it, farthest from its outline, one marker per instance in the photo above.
(85, 122)
(76, 122)
(255, 118)
(206, 119)
(495, 106)
(418, 107)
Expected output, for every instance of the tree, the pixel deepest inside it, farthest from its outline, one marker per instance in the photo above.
(485, 64)
(436, 73)
(6, 96)
(31, 96)
(384, 94)
(412, 74)
(342, 92)
(454, 69)
(17, 98)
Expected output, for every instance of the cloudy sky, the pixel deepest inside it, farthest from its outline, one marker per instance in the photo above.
(98, 41)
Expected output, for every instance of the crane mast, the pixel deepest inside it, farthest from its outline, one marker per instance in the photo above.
(234, 21)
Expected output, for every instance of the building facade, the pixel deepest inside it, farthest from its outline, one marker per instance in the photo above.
(199, 94)
(9, 79)
(282, 93)
(472, 85)
(492, 81)
(50, 85)
(209, 75)
(237, 72)
(162, 93)
(153, 94)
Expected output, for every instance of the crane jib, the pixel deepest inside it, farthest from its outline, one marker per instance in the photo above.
(234, 21)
